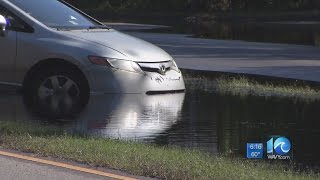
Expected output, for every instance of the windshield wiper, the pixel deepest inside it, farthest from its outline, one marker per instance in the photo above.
(61, 29)
(99, 27)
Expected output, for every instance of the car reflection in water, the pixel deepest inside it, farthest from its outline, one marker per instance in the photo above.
(130, 117)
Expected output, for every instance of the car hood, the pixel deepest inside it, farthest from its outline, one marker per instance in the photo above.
(133, 48)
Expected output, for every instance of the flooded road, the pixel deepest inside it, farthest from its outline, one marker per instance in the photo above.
(196, 119)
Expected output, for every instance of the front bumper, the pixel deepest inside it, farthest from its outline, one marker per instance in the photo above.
(108, 80)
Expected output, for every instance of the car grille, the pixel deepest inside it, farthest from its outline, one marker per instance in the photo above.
(156, 67)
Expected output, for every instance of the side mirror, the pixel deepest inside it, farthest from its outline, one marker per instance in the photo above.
(3, 25)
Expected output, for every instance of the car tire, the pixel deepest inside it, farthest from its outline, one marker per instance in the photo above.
(58, 91)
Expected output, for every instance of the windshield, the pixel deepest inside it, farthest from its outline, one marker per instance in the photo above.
(55, 14)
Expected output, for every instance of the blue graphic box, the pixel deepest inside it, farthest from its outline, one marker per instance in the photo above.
(254, 150)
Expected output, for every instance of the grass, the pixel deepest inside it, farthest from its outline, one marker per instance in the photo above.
(244, 86)
(138, 159)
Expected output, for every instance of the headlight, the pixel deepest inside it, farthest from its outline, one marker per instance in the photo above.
(174, 66)
(125, 65)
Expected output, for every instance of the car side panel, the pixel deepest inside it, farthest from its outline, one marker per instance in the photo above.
(39, 46)
(7, 56)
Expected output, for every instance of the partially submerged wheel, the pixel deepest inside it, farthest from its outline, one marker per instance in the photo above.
(58, 92)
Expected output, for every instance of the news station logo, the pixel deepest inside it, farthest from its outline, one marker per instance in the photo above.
(277, 148)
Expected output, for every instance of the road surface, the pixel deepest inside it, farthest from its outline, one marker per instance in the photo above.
(21, 170)
(17, 166)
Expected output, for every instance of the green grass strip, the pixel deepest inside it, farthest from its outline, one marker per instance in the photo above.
(244, 86)
(138, 159)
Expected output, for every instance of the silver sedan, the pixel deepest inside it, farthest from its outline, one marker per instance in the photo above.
(54, 50)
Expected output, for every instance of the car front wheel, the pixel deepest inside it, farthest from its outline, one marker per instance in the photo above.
(59, 91)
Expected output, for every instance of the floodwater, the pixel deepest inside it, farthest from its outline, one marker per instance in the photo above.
(197, 119)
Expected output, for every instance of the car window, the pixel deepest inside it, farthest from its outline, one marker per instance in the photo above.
(54, 13)
(14, 23)
(3, 11)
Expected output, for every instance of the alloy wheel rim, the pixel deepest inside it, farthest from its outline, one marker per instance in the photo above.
(58, 93)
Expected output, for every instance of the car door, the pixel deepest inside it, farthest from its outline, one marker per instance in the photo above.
(8, 49)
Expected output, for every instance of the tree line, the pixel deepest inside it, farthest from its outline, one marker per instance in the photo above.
(199, 5)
